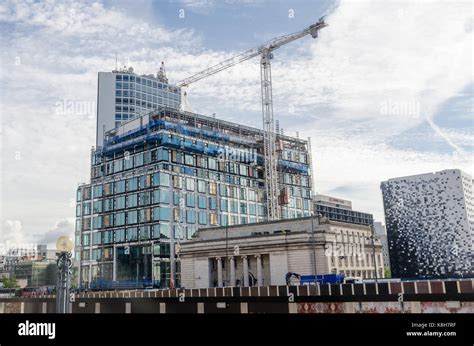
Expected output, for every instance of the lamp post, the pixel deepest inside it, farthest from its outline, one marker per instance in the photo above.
(64, 246)
(372, 236)
(313, 240)
(227, 253)
(313, 245)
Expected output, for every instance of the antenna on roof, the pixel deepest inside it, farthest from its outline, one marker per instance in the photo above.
(161, 75)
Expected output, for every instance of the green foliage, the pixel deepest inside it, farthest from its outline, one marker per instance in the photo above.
(388, 273)
(9, 282)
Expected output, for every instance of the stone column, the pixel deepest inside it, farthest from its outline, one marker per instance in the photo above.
(246, 271)
(259, 270)
(232, 271)
(219, 272)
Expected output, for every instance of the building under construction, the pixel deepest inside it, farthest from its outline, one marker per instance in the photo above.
(173, 170)
(157, 177)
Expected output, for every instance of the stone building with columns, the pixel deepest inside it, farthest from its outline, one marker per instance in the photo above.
(262, 253)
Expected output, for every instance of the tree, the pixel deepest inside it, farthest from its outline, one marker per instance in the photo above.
(387, 273)
(9, 282)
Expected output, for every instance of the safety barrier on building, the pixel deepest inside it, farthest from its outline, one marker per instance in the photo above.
(143, 135)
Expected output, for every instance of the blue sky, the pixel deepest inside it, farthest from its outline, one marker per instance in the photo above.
(383, 92)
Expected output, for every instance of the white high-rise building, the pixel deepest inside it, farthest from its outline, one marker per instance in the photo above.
(123, 95)
(430, 224)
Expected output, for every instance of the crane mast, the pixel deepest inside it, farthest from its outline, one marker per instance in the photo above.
(269, 136)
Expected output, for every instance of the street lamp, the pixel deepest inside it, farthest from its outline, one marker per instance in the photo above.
(372, 238)
(313, 240)
(64, 245)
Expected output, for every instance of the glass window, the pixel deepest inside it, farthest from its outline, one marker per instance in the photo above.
(190, 201)
(213, 219)
(252, 209)
(108, 237)
(78, 210)
(177, 182)
(162, 214)
(118, 166)
(224, 205)
(190, 184)
(202, 218)
(162, 231)
(132, 200)
(132, 217)
(86, 238)
(212, 203)
(223, 190)
(223, 220)
(97, 207)
(108, 204)
(145, 233)
(97, 191)
(201, 186)
(132, 234)
(243, 208)
(212, 163)
(144, 198)
(107, 220)
(96, 238)
(132, 184)
(144, 215)
(120, 235)
(202, 202)
(128, 161)
(212, 188)
(119, 202)
(97, 222)
(234, 206)
(188, 159)
(119, 186)
(86, 224)
(161, 179)
(161, 196)
(162, 155)
(138, 160)
(97, 254)
(119, 219)
(190, 216)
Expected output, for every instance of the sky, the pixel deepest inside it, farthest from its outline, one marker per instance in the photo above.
(386, 90)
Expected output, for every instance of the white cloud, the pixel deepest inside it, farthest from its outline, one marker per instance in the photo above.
(62, 227)
(11, 230)
(372, 53)
(199, 6)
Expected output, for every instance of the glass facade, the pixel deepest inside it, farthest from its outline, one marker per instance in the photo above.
(137, 95)
(344, 215)
(175, 173)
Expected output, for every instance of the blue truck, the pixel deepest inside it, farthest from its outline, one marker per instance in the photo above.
(297, 279)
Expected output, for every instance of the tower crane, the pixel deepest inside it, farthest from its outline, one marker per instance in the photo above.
(266, 54)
